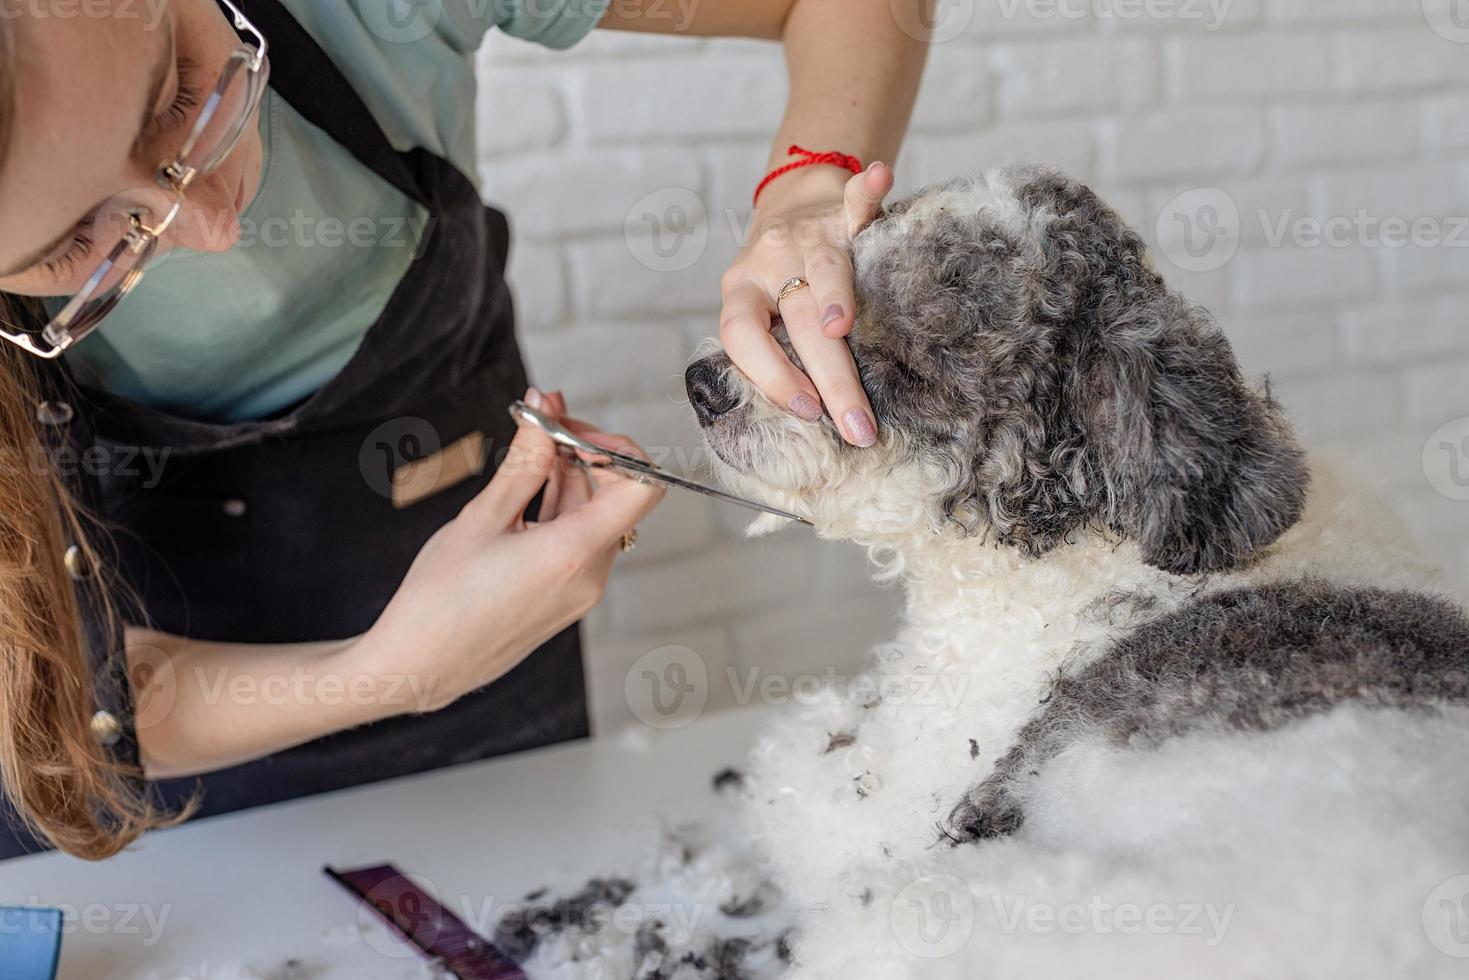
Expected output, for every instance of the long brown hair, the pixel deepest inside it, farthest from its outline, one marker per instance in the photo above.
(62, 782)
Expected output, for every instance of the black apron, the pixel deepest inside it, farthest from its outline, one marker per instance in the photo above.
(284, 530)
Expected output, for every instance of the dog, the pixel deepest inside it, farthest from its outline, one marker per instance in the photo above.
(1170, 696)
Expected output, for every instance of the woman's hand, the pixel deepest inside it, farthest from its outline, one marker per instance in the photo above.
(490, 586)
(804, 228)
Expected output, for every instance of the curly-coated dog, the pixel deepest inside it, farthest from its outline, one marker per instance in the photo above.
(1170, 698)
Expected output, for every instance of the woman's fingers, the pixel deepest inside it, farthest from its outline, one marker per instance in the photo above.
(828, 360)
(829, 271)
(525, 470)
(864, 196)
(744, 328)
(616, 507)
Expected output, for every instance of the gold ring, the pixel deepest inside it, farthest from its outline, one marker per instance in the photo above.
(629, 540)
(790, 286)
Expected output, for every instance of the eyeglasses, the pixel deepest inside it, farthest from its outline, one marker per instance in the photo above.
(222, 122)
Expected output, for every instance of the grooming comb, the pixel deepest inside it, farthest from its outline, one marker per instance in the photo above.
(417, 917)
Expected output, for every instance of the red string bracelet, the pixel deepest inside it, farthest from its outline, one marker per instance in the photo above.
(808, 159)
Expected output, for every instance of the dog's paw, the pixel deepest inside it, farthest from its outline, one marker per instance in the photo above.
(989, 810)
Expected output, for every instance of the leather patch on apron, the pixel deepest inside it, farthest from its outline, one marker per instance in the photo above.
(451, 465)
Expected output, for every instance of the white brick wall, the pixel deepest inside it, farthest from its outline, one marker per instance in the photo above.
(1306, 115)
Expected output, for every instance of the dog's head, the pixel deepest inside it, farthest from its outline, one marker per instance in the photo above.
(1032, 376)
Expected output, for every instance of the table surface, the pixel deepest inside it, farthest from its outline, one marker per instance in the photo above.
(248, 887)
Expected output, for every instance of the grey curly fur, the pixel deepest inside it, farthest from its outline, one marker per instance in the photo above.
(1251, 659)
(1061, 383)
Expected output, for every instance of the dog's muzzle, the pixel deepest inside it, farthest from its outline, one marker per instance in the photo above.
(708, 393)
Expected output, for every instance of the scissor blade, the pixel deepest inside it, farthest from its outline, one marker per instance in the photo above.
(642, 469)
(639, 468)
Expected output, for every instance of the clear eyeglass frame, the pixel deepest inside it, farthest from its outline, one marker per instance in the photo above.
(222, 122)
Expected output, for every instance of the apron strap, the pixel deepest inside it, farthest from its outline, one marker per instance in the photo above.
(310, 81)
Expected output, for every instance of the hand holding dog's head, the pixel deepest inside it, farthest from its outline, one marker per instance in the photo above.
(1033, 377)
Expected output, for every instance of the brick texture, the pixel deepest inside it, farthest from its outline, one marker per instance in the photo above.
(1329, 126)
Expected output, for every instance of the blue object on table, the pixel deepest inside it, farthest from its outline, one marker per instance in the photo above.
(30, 943)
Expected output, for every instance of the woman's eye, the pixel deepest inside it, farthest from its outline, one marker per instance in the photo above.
(79, 248)
(184, 103)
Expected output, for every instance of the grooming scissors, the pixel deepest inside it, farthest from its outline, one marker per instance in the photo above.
(638, 469)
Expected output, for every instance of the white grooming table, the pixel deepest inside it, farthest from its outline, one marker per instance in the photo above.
(248, 887)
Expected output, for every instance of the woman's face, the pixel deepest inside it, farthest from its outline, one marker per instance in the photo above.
(101, 103)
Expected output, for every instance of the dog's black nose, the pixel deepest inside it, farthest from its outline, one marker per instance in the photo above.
(707, 391)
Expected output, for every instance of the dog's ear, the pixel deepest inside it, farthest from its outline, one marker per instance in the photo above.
(1195, 464)
(1203, 469)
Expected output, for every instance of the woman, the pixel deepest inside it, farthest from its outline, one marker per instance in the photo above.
(285, 444)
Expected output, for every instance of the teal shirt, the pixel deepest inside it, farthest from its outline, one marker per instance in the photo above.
(245, 333)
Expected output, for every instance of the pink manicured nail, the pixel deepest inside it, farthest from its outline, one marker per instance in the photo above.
(861, 429)
(833, 312)
(535, 399)
(806, 407)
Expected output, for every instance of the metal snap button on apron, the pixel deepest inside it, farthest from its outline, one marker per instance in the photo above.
(106, 729)
(55, 414)
(76, 562)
